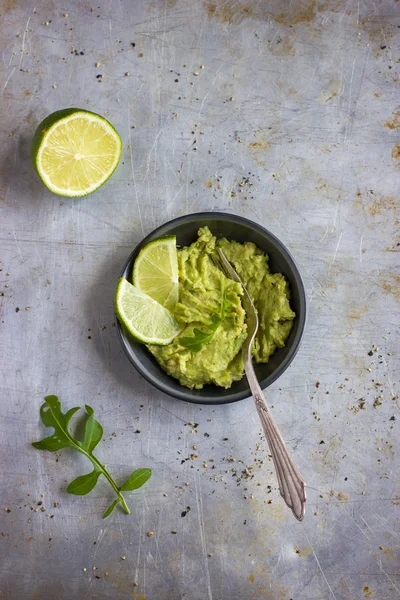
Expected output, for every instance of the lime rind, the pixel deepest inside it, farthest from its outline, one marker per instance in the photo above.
(145, 319)
(47, 128)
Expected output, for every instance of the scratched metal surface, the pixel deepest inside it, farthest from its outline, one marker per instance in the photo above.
(304, 97)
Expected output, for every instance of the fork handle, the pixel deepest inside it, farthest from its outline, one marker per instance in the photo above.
(291, 485)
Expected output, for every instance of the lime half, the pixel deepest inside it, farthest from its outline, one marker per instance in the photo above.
(156, 271)
(145, 319)
(75, 151)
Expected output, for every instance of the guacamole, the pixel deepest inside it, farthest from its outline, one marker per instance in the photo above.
(210, 305)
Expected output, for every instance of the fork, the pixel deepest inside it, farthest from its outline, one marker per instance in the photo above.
(291, 485)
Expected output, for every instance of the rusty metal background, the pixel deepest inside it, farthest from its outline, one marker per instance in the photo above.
(287, 113)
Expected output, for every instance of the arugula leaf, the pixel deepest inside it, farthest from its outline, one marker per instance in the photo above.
(84, 484)
(93, 431)
(51, 443)
(200, 338)
(111, 508)
(136, 480)
(52, 416)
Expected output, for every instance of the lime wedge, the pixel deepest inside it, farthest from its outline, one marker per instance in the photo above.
(75, 151)
(145, 319)
(156, 271)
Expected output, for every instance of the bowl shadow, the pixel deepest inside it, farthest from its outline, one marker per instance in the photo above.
(100, 317)
(19, 174)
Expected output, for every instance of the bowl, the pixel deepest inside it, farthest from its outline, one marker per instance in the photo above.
(239, 229)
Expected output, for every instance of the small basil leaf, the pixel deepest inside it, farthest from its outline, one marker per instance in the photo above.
(111, 508)
(84, 484)
(93, 431)
(136, 480)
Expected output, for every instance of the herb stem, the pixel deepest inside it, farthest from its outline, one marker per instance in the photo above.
(109, 479)
(96, 462)
(53, 416)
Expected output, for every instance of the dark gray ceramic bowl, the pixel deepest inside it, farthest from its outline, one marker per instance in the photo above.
(280, 260)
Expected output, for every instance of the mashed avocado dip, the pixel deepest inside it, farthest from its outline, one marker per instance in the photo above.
(210, 306)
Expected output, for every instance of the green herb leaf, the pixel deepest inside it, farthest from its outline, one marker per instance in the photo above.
(52, 416)
(93, 431)
(84, 484)
(200, 337)
(51, 443)
(111, 508)
(136, 480)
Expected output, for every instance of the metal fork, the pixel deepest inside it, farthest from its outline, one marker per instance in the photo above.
(291, 485)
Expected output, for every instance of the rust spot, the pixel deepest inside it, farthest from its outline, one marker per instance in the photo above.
(378, 35)
(392, 286)
(124, 585)
(257, 150)
(384, 203)
(342, 496)
(264, 584)
(396, 152)
(259, 145)
(387, 551)
(9, 5)
(233, 13)
(305, 552)
(333, 90)
(292, 91)
(383, 209)
(395, 245)
(395, 122)
(357, 311)
(368, 593)
(306, 12)
(276, 511)
(377, 95)
(211, 8)
(326, 150)
(162, 3)
(300, 13)
(208, 183)
(281, 47)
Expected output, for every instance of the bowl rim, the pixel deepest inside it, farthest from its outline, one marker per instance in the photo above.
(185, 394)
